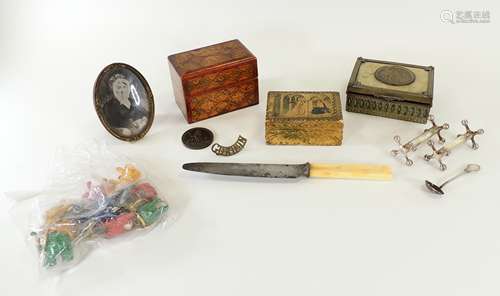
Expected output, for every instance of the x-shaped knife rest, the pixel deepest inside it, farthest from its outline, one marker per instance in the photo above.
(413, 144)
(445, 150)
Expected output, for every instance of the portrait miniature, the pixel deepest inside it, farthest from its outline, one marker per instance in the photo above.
(124, 102)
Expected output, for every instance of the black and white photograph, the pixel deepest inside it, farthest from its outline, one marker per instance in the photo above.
(124, 102)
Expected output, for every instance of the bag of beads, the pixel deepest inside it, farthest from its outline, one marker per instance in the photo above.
(94, 197)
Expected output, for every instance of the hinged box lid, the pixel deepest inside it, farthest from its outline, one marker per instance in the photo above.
(214, 66)
(392, 81)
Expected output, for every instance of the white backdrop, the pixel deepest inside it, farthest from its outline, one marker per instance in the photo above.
(261, 237)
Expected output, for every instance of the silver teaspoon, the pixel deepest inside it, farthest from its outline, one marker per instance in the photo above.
(439, 189)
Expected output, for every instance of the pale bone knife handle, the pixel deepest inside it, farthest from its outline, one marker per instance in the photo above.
(351, 171)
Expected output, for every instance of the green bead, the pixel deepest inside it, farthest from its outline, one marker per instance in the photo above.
(58, 243)
(152, 211)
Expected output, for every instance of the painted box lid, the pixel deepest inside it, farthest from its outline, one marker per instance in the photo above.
(304, 118)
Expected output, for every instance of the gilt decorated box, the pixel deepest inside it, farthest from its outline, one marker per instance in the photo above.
(213, 80)
(304, 118)
(393, 90)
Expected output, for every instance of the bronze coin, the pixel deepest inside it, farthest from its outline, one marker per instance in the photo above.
(197, 138)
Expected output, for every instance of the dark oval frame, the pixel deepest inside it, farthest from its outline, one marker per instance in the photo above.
(98, 101)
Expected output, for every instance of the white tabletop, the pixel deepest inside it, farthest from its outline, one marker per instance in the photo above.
(240, 236)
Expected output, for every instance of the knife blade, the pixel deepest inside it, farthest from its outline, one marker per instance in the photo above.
(332, 171)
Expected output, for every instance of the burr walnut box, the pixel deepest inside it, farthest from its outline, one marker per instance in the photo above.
(304, 118)
(393, 90)
(213, 80)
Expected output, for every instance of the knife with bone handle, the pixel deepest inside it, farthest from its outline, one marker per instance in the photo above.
(315, 170)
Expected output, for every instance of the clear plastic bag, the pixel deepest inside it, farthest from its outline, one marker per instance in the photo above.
(94, 197)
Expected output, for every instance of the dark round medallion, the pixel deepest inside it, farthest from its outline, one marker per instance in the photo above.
(197, 138)
(395, 75)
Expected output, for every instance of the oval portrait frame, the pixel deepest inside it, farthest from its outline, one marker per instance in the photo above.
(99, 101)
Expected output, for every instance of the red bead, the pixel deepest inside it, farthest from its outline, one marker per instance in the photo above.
(145, 191)
(119, 225)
